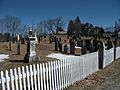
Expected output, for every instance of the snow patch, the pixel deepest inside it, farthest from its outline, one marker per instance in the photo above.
(3, 57)
(60, 56)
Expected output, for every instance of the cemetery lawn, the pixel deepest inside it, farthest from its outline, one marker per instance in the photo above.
(18, 60)
(105, 79)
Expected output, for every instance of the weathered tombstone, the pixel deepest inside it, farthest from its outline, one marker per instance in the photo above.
(39, 39)
(100, 54)
(60, 46)
(72, 46)
(10, 46)
(95, 44)
(56, 45)
(36, 39)
(109, 45)
(92, 48)
(65, 48)
(31, 53)
(83, 50)
(78, 43)
(77, 50)
(18, 45)
(22, 41)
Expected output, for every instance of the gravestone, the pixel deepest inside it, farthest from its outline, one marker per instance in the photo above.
(36, 39)
(65, 48)
(10, 46)
(56, 45)
(109, 45)
(83, 49)
(18, 45)
(31, 53)
(92, 48)
(79, 43)
(72, 46)
(39, 39)
(77, 51)
(22, 41)
(50, 39)
(95, 45)
(60, 46)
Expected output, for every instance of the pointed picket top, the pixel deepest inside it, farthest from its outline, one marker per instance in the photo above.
(36, 40)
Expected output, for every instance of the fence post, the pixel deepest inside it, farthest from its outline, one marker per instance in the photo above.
(100, 55)
(115, 45)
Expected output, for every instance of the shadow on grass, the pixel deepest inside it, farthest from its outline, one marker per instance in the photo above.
(16, 60)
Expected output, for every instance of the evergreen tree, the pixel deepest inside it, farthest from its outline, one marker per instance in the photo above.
(77, 25)
(70, 30)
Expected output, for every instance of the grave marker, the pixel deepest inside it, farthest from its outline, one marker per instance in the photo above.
(72, 46)
(31, 53)
(18, 44)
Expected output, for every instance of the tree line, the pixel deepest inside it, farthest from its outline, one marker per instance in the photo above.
(76, 28)
(11, 25)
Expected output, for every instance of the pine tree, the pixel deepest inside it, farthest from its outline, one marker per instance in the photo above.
(77, 25)
(70, 30)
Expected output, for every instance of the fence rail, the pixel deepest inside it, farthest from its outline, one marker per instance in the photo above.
(54, 75)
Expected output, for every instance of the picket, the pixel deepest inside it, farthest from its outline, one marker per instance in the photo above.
(50, 81)
(12, 79)
(28, 78)
(44, 80)
(41, 75)
(7, 80)
(47, 76)
(54, 75)
(24, 76)
(38, 76)
(16, 79)
(34, 72)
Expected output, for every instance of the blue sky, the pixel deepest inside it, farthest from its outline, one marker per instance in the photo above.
(98, 12)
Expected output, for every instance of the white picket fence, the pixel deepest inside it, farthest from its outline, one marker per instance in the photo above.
(50, 76)
(54, 75)
(108, 57)
(117, 52)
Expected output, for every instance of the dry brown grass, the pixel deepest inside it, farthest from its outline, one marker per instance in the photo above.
(18, 60)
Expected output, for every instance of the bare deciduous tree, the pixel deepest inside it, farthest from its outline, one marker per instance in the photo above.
(58, 23)
(2, 26)
(12, 24)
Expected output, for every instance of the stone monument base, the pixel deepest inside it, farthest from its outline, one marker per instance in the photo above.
(28, 58)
